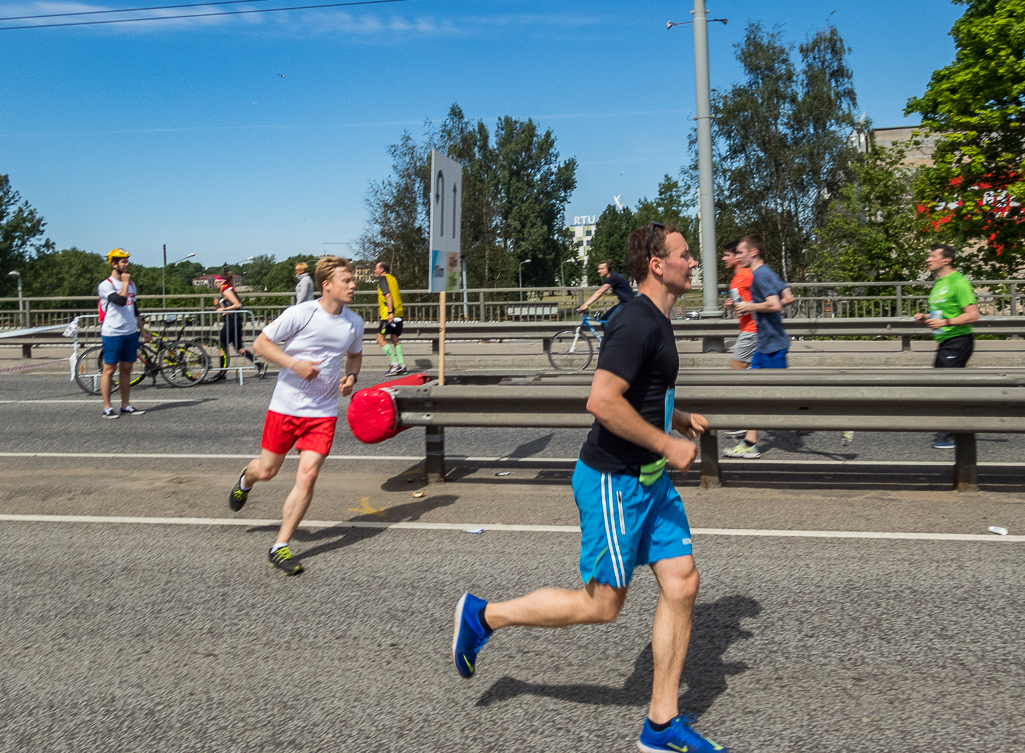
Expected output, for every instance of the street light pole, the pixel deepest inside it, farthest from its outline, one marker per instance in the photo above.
(562, 272)
(21, 305)
(706, 202)
(525, 261)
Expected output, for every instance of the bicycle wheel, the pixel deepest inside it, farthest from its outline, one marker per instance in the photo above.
(139, 366)
(88, 369)
(218, 356)
(571, 350)
(183, 363)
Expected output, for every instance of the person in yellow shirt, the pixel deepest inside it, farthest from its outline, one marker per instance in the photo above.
(389, 303)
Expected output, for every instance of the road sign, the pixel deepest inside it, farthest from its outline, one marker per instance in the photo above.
(446, 221)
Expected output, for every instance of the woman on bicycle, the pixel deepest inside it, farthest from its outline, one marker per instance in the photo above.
(231, 332)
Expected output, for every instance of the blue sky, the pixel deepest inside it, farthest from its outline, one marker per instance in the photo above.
(185, 133)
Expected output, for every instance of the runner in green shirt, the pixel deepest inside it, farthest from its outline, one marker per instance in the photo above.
(952, 309)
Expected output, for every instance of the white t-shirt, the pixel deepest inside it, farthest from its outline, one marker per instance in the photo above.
(311, 334)
(117, 320)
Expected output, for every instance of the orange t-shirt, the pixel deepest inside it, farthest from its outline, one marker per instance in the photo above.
(741, 283)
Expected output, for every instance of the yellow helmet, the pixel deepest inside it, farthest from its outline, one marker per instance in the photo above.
(117, 253)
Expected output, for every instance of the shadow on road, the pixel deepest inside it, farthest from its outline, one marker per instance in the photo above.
(716, 627)
(326, 540)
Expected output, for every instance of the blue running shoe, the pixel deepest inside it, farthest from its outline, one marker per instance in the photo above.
(469, 637)
(678, 737)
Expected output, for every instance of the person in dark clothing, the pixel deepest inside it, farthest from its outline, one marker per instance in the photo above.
(630, 512)
(614, 282)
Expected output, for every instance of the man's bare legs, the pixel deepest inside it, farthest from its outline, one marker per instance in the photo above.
(678, 585)
(558, 607)
(752, 435)
(266, 467)
(124, 386)
(298, 500)
(598, 603)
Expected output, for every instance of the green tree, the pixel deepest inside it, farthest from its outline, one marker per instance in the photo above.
(282, 275)
(515, 191)
(21, 235)
(609, 242)
(533, 188)
(781, 140)
(64, 273)
(871, 231)
(399, 213)
(975, 191)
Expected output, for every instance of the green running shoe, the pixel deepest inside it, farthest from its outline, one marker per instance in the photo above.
(237, 498)
(283, 560)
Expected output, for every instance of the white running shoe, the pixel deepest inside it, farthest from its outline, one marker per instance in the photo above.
(742, 450)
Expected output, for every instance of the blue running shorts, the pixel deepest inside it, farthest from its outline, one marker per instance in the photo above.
(624, 524)
(777, 360)
(121, 348)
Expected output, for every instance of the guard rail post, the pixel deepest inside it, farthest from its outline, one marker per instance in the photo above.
(434, 459)
(713, 344)
(27, 315)
(905, 343)
(966, 465)
(483, 312)
(1014, 299)
(711, 471)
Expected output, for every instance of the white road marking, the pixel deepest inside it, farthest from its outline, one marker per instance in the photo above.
(250, 522)
(96, 400)
(496, 459)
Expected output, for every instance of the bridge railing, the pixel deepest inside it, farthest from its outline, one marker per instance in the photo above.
(540, 304)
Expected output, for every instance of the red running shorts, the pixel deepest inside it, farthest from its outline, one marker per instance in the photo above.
(281, 432)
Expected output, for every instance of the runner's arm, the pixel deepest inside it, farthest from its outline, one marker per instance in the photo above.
(969, 314)
(689, 424)
(770, 305)
(597, 294)
(268, 350)
(353, 363)
(787, 297)
(607, 402)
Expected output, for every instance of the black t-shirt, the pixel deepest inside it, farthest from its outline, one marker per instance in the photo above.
(638, 347)
(620, 287)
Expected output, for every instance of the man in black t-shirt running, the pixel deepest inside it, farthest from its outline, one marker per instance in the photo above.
(614, 282)
(630, 514)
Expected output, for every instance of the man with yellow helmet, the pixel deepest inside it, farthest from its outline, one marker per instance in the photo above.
(120, 325)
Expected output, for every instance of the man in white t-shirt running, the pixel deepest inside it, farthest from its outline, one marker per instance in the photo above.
(319, 337)
(120, 329)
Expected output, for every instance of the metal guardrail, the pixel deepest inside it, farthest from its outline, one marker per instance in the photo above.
(895, 299)
(969, 408)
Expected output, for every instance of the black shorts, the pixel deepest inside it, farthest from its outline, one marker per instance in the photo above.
(231, 332)
(387, 328)
(954, 352)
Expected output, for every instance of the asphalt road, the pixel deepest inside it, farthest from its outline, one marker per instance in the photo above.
(118, 634)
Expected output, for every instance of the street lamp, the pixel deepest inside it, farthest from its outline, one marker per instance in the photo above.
(163, 285)
(709, 268)
(525, 261)
(21, 306)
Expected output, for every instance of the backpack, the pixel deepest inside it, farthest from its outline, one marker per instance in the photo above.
(100, 308)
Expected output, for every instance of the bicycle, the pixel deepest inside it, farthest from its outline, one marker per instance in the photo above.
(573, 349)
(181, 363)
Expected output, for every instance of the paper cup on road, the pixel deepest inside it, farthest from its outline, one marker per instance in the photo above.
(998, 530)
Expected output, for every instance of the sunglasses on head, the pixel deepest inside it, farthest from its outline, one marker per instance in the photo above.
(651, 234)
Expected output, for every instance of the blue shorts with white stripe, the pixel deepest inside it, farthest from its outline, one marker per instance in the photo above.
(624, 524)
